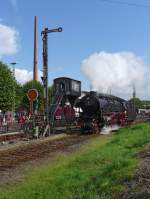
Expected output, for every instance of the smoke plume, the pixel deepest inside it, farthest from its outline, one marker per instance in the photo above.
(117, 73)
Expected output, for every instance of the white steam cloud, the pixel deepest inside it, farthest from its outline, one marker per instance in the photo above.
(8, 40)
(118, 73)
(23, 75)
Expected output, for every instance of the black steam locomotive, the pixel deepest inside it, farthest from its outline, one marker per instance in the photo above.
(99, 110)
(90, 112)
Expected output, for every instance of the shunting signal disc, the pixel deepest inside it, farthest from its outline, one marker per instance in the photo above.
(32, 94)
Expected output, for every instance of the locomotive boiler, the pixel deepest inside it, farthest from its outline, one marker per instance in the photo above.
(98, 110)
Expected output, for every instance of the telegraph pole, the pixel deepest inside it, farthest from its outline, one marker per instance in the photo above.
(44, 34)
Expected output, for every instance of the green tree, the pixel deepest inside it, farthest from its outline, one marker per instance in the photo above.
(137, 102)
(146, 103)
(38, 104)
(7, 88)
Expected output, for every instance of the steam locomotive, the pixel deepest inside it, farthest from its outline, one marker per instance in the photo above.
(99, 110)
(90, 112)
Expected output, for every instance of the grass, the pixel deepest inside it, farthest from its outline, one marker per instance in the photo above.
(96, 172)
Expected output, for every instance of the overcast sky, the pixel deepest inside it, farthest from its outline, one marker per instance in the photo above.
(105, 45)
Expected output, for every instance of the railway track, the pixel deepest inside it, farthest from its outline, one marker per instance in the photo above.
(13, 157)
(11, 136)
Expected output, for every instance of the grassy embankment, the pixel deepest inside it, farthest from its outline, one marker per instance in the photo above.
(96, 172)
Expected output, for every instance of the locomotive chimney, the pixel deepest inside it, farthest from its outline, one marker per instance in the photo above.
(35, 62)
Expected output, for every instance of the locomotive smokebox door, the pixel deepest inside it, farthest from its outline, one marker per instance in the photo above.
(70, 88)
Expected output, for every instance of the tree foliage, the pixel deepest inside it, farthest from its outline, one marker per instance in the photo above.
(38, 104)
(146, 103)
(138, 103)
(18, 96)
(8, 87)
(13, 96)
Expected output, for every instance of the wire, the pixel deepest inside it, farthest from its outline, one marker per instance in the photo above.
(126, 3)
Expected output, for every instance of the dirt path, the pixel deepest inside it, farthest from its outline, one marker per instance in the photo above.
(17, 161)
(139, 186)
